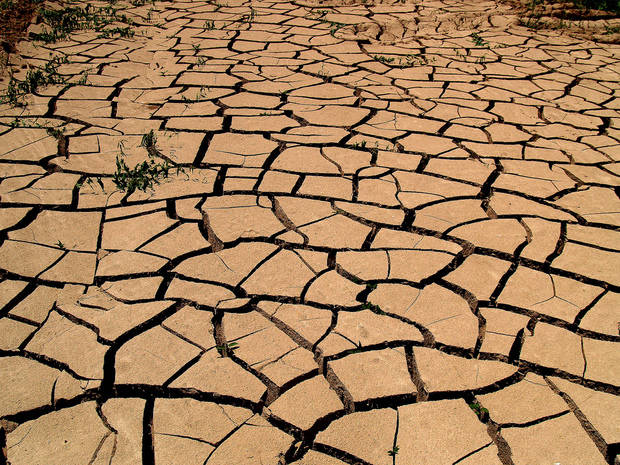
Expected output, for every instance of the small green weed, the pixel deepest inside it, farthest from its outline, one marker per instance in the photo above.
(56, 133)
(34, 79)
(415, 59)
(125, 32)
(144, 175)
(333, 26)
(149, 142)
(612, 29)
(383, 59)
(60, 245)
(480, 411)
(393, 451)
(372, 307)
(209, 25)
(63, 22)
(83, 80)
(90, 182)
(201, 94)
(227, 349)
(319, 13)
(605, 5)
(478, 41)
(533, 21)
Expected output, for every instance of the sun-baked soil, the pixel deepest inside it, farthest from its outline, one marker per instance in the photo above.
(14, 21)
(381, 234)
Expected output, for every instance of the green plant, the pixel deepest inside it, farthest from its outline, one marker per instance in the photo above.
(360, 145)
(63, 22)
(533, 21)
(209, 25)
(83, 80)
(56, 133)
(34, 79)
(126, 32)
(480, 411)
(374, 308)
(605, 5)
(90, 181)
(141, 177)
(478, 41)
(322, 73)
(413, 60)
(149, 142)
(199, 96)
(60, 245)
(144, 175)
(227, 348)
(393, 451)
(319, 13)
(612, 29)
(334, 27)
(200, 61)
(383, 59)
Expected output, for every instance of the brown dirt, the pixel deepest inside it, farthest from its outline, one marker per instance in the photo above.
(598, 25)
(14, 20)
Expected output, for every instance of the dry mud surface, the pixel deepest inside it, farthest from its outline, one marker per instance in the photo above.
(390, 243)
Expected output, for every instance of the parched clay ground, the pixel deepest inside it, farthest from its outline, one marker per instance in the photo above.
(390, 243)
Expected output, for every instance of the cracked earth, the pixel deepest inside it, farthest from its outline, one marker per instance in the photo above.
(389, 242)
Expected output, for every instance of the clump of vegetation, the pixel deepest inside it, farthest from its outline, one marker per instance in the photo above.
(60, 23)
(569, 14)
(383, 59)
(34, 79)
(480, 411)
(372, 307)
(393, 451)
(605, 5)
(144, 175)
(478, 41)
(141, 177)
(125, 32)
(227, 349)
(413, 59)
